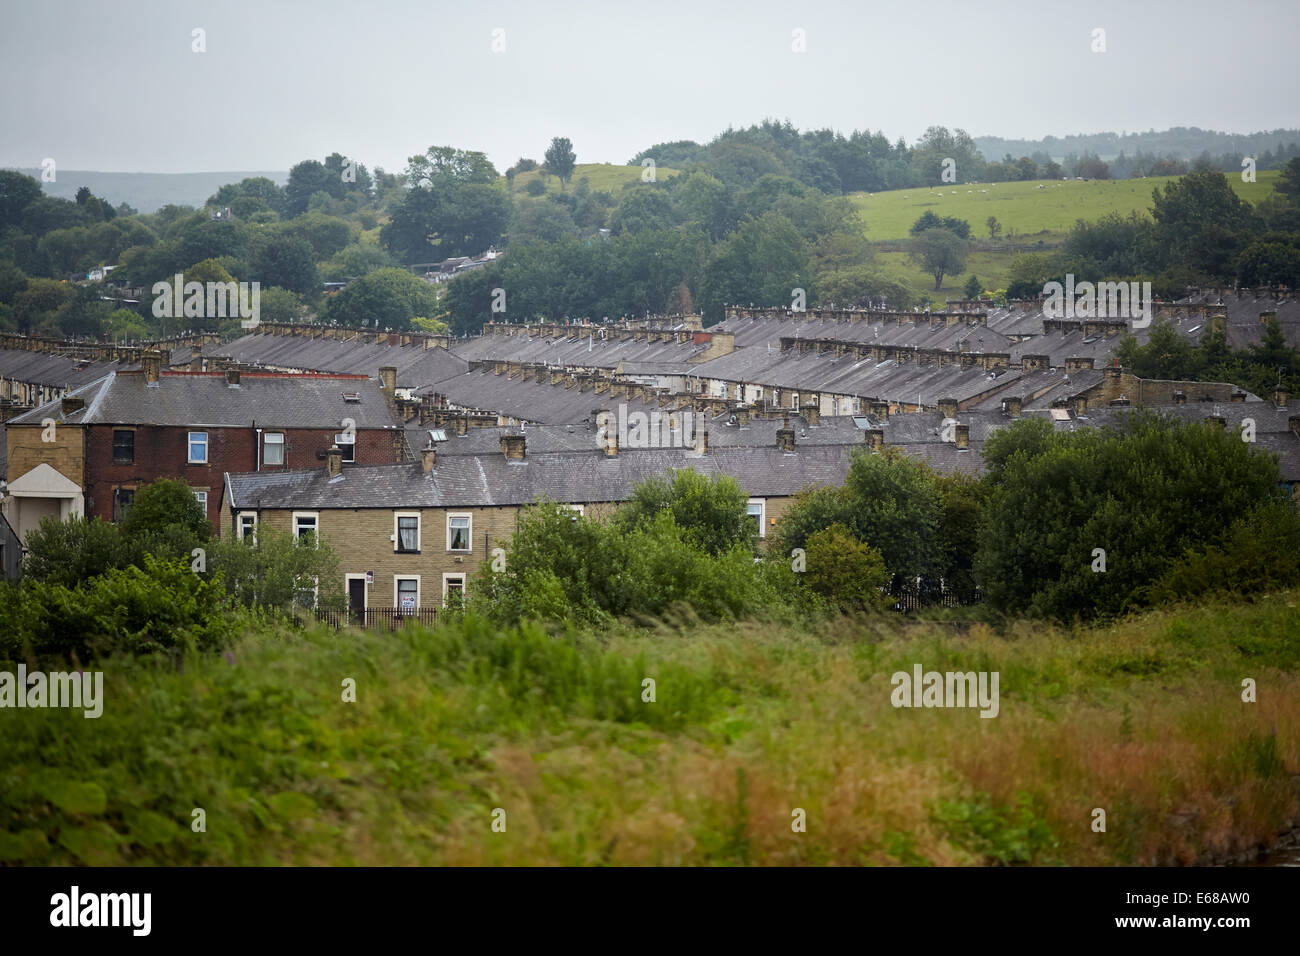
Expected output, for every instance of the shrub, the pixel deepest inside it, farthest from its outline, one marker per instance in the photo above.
(68, 552)
(164, 607)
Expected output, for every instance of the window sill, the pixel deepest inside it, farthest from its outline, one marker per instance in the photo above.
(401, 551)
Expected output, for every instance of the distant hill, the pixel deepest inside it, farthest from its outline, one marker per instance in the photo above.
(147, 192)
(601, 177)
(1182, 142)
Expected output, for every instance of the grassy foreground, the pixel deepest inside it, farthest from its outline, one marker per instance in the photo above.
(1143, 719)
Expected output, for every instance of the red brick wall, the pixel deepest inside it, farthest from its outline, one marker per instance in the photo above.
(162, 451)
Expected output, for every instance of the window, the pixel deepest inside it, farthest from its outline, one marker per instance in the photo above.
(453, 589)
(577, 509)
(305, 528)
(757, 509)
(198, 448)
(307, 591)
(122, 500)
(273, 448)
(408, 534)
(246, 527)
(458, 532)
(202, 498)
(406, 594)
(347, 442)
(123, 446)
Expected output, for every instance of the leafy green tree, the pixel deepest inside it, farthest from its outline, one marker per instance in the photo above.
(535, 187)
(386, 298)
(305, 179)
(560, 159)
(711, 511)
(860, 287)
(17, 192)
(69, 552)
(1138, 496)
(355, 260)
(642, 209)
(270, 571)
(442, 166)
(287, 262)
(939, 253)
(280, 305)
(166, 521)
(973, 287)
(850, 575)
(1287, 183)
(1200, 223)
(994, 227)
(928, 220)
(764, 260)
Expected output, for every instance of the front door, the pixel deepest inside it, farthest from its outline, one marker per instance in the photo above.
(357, 600)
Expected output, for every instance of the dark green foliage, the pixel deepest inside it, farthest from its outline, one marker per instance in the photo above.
(710, 511)
(1144, 492)
(848, 574)
(162, 607)
(72, 551)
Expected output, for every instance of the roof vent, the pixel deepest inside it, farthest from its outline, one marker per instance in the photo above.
(353, 397)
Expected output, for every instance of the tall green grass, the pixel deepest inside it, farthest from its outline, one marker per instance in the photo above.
(751, 721)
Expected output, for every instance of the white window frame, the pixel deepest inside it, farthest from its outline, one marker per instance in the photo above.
(581, 509)
(397, 599)
(240, 533)
(201, 496)
(267, 443)
(469, 532)
(397, 531)
(762, 514)
(349, 448)
(454, 576)
(297, 517)
(190, 442)
(315, 592)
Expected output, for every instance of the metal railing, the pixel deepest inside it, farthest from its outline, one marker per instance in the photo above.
(385, 618)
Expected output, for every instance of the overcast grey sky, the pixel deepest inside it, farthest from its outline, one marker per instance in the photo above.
(115, 85)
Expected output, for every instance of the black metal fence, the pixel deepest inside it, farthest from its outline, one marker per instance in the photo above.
(912, 598)
(385, 618)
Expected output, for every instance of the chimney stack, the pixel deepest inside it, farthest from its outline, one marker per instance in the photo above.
(742, 414)
(963, 437)
(1081, 406)
(702, 435)
(196, 358)
(599, 417)
(1180, 398)
(1217, 420)
(611, 443)
(152, 361)
(335, 461)
(512, 446)
(429, 457)
(1238, 396)
(1293, 425)
(948, 406)
(1013, 405)
(875, 438)
(232, 378)
(1279, 396)
(812, 413)
(388, 378)
(785, 436)
(72, 403)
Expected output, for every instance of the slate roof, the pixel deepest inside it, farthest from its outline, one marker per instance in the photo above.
(527, 400)
(469, 481)
(416, 365)
(54, 370)
(589, 350)
(273, 401)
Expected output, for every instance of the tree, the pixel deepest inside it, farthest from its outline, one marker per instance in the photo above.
(305, 179)
(17, 192)
(547, 221)
(861, 287)
(386, 298)
(764, 260)
(939, 252)
(710, 511)
(995, 227)
(166, 521)
(560, 159)
(928, 220)
(1200, 223)
(442, 166)
(973, 287)
(287, 262)
(1132, 498)
(269, 571)
(72, 551)
(850, 575)
(1287, 183)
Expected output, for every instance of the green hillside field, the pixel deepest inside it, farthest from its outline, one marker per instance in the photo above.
(602, 177)
(1023, 209)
